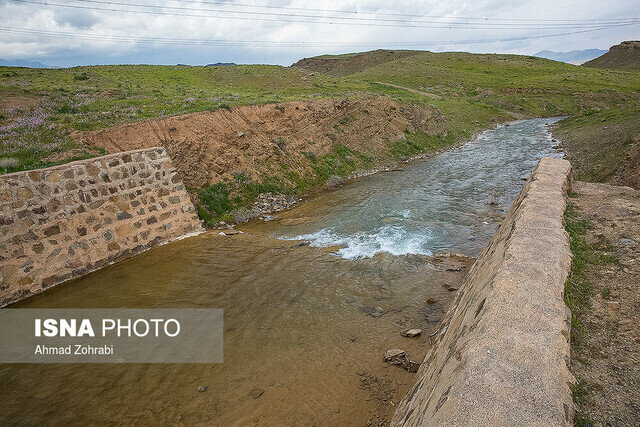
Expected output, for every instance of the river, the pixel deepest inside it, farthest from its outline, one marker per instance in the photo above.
(306, 325)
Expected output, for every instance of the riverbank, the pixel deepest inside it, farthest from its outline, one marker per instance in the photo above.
(603, 293)
(452, 201)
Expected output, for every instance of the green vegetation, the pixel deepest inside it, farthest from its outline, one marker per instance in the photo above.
(220, 202)
(420, 142)
(474, 90)
(341, 162)
(578, 289)
(215, 202)
(601, 142)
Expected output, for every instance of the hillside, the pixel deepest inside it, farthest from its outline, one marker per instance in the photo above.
(342, 65)
(623, 56)
(52, 116)
(575, 57)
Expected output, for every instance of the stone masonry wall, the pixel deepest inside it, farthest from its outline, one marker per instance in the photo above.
(65, 221)
(501, 355)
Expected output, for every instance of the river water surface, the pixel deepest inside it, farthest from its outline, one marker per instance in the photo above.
(306, 326)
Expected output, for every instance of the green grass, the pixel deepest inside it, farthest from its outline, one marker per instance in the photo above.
(477, 91)
(420, 142)
(220, 202)
(578, 289)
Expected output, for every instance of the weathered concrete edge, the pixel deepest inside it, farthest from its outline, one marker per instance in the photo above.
(502, 354)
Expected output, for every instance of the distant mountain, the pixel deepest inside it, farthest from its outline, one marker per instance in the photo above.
(625, 55)
(24, 63)
(221, 64)
(575, 57)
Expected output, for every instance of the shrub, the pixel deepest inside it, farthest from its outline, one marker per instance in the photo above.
(215, 198)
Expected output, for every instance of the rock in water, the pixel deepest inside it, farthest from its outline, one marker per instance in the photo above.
(256, 392)
(398, 357)
(412, 333)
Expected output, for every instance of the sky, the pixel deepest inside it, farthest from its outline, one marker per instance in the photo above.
(198, 32)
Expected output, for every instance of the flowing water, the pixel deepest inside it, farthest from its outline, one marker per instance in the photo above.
(305, 326)
(449, 202)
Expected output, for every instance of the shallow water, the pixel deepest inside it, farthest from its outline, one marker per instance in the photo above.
(306, 327)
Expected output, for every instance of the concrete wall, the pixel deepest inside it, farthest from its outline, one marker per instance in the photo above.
(65, 221)
(501, 356)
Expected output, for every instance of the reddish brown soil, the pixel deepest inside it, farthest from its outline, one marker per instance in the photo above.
(19, 103)
(207, 147)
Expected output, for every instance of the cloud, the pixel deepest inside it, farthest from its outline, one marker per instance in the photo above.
(80, 34)
(76, 19)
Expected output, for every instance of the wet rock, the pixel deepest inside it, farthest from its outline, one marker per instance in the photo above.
(203, 388)
(411, 333)
(393, 354)
(373, 311)
(232, 232)
(265, 204)
(431, 301)
(256, 392)
(333, 181)
(450, 287)
(398, 357)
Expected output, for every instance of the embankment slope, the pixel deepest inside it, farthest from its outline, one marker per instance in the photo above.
(501, 357)
(211, 146)
(623, 56)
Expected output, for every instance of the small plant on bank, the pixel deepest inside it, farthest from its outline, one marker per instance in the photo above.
(215, 202)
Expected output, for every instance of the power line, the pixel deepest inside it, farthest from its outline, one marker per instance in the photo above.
(361, 12)
(250, 43)
(415, 19)
(343, 21)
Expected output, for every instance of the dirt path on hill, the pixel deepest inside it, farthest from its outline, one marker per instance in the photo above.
(408, 89)
(606, 361)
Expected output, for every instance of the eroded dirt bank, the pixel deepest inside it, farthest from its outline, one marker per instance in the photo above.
(212, 146)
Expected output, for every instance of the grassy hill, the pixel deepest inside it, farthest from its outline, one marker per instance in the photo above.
(43, 110)
(342, 65)
(623, 56)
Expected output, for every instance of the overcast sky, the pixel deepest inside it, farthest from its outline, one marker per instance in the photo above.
(282, 31)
